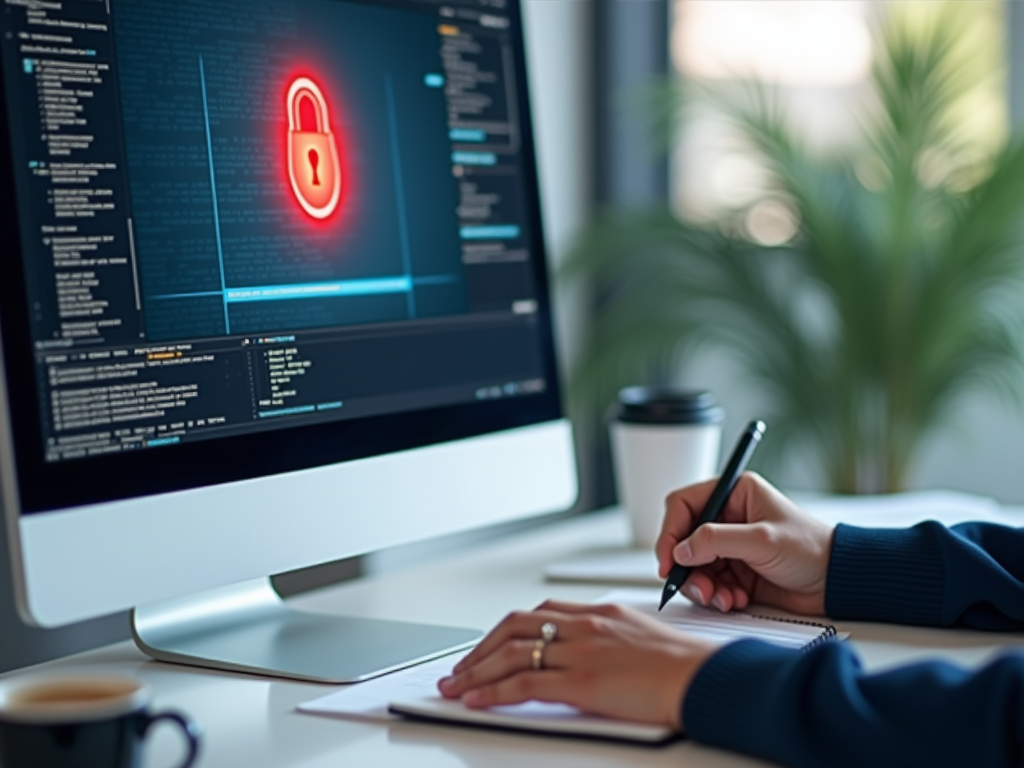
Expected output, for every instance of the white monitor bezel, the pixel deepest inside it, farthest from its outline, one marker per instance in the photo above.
(90, 561)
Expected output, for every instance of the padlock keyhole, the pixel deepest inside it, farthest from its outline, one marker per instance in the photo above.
(314, 161)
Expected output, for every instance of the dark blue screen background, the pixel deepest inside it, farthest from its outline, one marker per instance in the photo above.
(398, 209)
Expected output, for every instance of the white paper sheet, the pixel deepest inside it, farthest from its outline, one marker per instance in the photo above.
(370, 699)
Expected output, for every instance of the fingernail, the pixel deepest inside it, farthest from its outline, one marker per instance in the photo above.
(718, 602)
(683, 553)
(472, 699)
(446, 683)
(694, 594)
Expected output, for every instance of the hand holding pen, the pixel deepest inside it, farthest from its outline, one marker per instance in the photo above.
(741, 454)
(763, 548)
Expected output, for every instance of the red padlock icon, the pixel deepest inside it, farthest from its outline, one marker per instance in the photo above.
(313, 165)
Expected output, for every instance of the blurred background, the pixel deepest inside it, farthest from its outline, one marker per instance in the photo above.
(614, 143)
(599, 155)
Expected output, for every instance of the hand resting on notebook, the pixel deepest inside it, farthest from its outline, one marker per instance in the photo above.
(609, 660)
(612, 660)
(766, 549)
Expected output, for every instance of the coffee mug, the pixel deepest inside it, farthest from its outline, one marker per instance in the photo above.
(663, 438)
(80, 721)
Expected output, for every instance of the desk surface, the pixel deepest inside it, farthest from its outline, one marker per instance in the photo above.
(250, 721)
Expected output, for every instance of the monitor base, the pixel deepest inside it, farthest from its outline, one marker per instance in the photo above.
(247, 627)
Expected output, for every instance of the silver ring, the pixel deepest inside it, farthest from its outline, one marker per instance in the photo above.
(537, 655)
(548, 631)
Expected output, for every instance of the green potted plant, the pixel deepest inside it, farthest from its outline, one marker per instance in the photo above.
(901, 290)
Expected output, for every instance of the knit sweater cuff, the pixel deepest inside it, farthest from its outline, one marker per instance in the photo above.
(879, 574)
(731, 697)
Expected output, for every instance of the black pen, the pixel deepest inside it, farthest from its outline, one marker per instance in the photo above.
(716, 503)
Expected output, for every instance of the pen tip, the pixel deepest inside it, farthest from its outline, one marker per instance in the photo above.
(666, 595)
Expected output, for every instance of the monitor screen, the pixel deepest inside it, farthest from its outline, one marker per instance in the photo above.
(246, 242)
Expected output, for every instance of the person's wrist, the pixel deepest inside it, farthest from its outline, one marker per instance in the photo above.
(828, 545)
(813, 549)
(689, 665)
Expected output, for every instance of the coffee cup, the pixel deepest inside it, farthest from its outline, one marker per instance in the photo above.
(663, 438)
(80, 721)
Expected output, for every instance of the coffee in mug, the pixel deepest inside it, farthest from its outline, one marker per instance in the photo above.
(663, 438)
(80, 721)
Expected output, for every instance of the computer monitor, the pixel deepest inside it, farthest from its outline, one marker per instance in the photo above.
(273, 294)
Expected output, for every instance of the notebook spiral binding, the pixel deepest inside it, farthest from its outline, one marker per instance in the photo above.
(828, 632)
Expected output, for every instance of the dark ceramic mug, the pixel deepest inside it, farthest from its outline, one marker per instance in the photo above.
(80, 721)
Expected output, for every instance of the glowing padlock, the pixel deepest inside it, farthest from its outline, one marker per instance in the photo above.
(313, 165)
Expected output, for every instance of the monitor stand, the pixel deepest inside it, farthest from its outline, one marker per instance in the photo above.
(247, 627)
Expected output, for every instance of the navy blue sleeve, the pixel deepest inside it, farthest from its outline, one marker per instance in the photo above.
(970, 575)
(820, 709)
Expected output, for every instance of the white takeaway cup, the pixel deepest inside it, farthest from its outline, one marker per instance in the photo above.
(663, 438)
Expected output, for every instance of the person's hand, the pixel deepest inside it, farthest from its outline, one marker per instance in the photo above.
(765, 549)
(605, 660)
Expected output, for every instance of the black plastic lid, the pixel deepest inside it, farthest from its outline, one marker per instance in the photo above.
(666, 405)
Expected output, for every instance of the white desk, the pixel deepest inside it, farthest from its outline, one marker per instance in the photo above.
(251, 722)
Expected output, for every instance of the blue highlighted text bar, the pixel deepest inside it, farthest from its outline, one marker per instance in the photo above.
(319, 290)
(467, 134)
(493, 232)
(474, 158)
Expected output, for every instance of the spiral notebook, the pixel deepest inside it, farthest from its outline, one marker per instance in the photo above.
(723, 628)
(412, 693)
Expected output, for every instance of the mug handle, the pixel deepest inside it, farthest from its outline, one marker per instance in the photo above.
(188, 727)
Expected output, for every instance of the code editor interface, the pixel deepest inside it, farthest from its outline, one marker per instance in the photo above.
(243, 216)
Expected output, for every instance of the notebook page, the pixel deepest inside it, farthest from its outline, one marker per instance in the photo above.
(712, 625)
